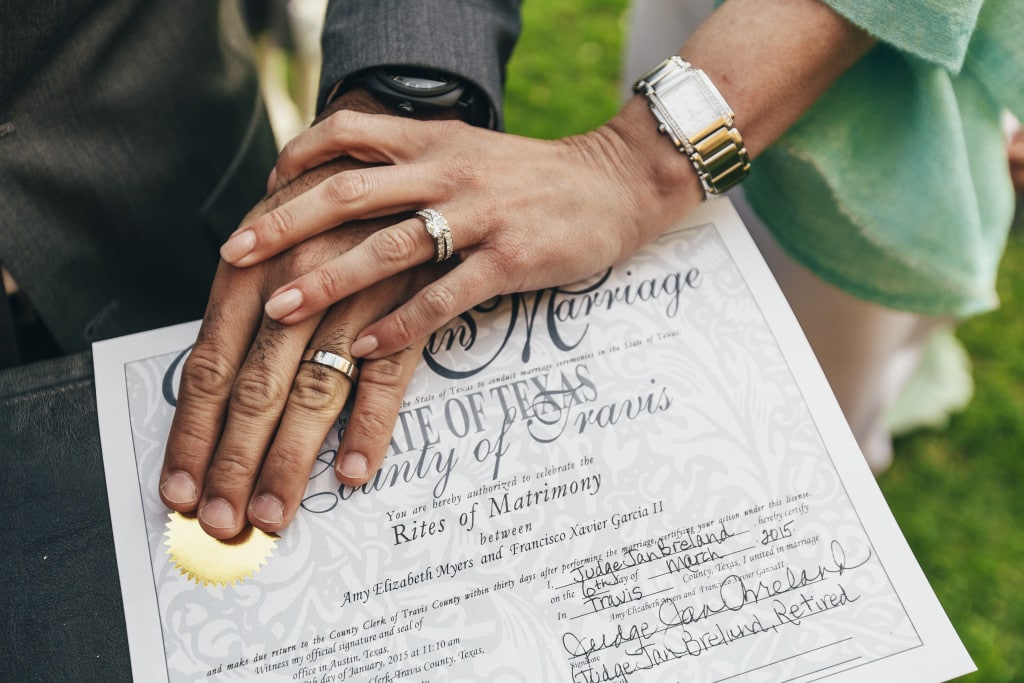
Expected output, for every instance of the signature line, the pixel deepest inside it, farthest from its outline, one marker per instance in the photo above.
(799, 654)
(824, 668)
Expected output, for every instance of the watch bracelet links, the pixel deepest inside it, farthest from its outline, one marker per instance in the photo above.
(720, 157)
(717, 151)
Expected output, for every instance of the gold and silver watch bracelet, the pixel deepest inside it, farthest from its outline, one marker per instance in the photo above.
(696, 118)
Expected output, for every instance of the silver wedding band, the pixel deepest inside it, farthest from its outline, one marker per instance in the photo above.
(333, 361)
(440, 231)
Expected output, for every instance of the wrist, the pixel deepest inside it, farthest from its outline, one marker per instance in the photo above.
(355, 99)
(669, 176)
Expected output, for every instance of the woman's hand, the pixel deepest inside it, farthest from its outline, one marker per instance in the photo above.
(524, 213)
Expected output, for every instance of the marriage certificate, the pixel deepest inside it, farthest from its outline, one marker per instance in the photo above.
(640, 477)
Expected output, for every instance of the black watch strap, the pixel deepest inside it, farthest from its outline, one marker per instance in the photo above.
(413, 90)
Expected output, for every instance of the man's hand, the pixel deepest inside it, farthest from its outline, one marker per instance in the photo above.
(248, 407)
(251, 417)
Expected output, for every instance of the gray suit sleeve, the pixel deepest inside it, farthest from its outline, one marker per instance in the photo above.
(470, 38)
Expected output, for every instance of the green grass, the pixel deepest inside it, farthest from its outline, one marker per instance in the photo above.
(563, 78)
(957, 492)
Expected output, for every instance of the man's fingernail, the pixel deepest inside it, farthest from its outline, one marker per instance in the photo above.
(363, 346)
(268, 509)
(179, 488)
(354, 466)
(272, 181)
(283, 304)
(218, 514)
(238, 246)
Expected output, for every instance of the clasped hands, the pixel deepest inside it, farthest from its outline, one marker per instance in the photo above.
(333, 259)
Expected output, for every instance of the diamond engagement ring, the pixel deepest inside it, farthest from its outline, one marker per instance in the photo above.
(440, 231)
(333, 361)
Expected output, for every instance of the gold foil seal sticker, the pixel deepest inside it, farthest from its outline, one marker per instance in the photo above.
(212, 562)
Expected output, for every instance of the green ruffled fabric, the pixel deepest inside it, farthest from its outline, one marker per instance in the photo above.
(894, 186)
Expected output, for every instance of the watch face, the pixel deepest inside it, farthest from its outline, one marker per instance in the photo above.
(694, 107)
(425, 84)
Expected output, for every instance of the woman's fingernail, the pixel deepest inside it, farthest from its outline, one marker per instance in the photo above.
(218, 514)
(363, 346)
(283, 304)
(238, 246)
(268, 509)
(354, 466)
(178, 488)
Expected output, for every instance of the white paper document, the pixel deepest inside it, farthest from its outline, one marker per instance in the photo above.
(642, 477)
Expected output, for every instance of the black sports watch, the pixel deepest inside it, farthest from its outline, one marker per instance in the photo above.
(411, 90)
